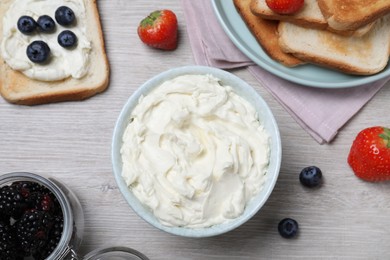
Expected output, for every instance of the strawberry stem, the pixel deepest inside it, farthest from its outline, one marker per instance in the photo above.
(150, 19)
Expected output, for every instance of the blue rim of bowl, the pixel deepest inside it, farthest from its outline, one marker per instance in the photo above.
(124, 118)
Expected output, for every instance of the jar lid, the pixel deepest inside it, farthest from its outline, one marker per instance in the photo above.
(115, 253)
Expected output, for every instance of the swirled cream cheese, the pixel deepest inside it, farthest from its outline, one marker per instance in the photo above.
(63, 63)
(194, 152)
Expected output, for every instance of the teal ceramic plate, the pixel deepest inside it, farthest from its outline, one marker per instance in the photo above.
(308, 75)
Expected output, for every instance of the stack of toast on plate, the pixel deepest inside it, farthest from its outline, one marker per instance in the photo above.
(352, 36)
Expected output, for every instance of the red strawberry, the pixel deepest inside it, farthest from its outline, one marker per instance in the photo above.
(285, 6)
(159, 30)
(369, 156)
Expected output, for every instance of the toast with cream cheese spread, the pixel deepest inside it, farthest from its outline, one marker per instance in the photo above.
(69, 73)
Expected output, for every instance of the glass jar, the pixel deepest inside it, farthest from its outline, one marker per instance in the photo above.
(115, 253)
(73, 227)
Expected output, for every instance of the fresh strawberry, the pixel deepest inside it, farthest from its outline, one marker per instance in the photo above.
(285, 6)
(369, 156)
(159, 30)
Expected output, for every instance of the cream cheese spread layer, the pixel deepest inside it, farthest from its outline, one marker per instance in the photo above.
(63, 62)
(195, 152)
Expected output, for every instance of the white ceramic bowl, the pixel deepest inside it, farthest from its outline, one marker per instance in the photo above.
(265, 115)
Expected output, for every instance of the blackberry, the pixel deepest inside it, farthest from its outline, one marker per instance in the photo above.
(53, 239)
(8, 246)
(31, 221)
(28, 187)
(5, 219)
(12, 203)
(33, 229)
(41, 202)
(37, 196)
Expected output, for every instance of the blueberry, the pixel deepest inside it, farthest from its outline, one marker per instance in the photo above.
(288, 228)
(64, 15)
(310, 176)
(67, 39)
(38, 51)
(46, 23)
(26, 24)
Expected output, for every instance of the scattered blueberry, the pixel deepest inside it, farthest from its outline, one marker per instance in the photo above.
(38, 51)
(67, 39)
(288, 228)
(64, 15)
(46, 23)
(310, 176)
(26, 24)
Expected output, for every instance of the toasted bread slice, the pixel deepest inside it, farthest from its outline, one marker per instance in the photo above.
(265, 32)
(352, 14)
(17, 88)
(310, 16)
(364, 55)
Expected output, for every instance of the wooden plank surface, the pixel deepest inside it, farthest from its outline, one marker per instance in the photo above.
(344, 219)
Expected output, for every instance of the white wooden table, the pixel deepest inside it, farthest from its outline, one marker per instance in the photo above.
(344, 219)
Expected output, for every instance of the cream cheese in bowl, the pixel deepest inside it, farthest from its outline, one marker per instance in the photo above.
(196, 151)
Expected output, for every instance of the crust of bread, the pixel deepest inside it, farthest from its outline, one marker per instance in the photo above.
(353, 14)
(265, 32)
(16, 88)
(359, 32)
(365, 55)
(310, 16)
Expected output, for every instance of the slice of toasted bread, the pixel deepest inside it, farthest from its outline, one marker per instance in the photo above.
(364, 55)
(17, 88)
(352, 14)
(265, 32)
(310, 16)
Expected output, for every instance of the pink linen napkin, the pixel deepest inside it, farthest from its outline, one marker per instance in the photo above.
(321, 112)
